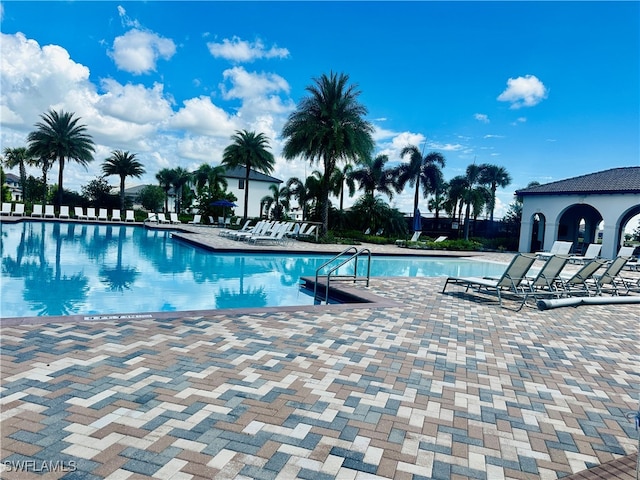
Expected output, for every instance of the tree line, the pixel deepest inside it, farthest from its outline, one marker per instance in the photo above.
(327, 128)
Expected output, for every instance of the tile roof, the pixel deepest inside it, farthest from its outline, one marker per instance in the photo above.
(615, 180)
(239, 172)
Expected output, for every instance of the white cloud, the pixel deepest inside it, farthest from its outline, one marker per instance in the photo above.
(238, 50)
(125, 20)
(481, 117)
(134, 103)
(445, 147)
(138, 51)
(493, 136)
(519, 120)
(201, 116)
(524, 91)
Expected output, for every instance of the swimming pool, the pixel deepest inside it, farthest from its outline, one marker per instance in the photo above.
(55, 268)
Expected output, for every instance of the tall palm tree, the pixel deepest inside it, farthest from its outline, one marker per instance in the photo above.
(373, 177)
(19, 157)
(165, 178)
(123, 164)
(59, 136)
(421, 172)
(248, 150)
(495, 176)
(437, 203)
(278, 201)
(328, 126)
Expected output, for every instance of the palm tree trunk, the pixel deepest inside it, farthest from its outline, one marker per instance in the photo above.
(246, 194)
(467, 212)
(122, 193)
(416, 196)
(60, 176)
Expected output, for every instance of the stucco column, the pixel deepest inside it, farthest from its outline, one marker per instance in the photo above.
(609, 239)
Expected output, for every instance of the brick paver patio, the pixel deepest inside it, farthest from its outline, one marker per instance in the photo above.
(426, 385)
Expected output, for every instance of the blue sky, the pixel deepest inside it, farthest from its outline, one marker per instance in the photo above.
(549, 90)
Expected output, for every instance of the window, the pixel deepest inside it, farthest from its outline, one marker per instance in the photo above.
(241, 184)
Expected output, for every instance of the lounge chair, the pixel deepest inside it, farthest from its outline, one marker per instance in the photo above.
(610, 281)
(263, 227)
(79, 213)
(37, 210)
(308, 232)
(18, 209)
(103, 214)
(130, 216)
(277, 234)
(577, 282)
(510, 281)
(545, 283)
(162, 218)
(558, 248)
(91, 213)
(115, 215)
(226, 232)
(64, 211)
(49, 212)
(441, 238)
(593, 251)
(196, 220)
(626, 252)
(6, 209)
(414, 238)
(173, 218)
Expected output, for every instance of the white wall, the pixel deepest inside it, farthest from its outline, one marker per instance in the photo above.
(612, 207)
(257, 190)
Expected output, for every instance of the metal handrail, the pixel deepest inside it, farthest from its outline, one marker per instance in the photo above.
(354, 256)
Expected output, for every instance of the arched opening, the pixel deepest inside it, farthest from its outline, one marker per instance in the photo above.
(579, 224)
(629, 221)
(537, 233)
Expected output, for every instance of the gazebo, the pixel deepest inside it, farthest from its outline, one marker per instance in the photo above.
(573, 209)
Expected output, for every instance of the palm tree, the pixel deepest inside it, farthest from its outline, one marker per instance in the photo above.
(306, 193)
(328, 126)
(421, 172)
(123, 164)
(60, 137)
(165, 179)
(340, 177)
(438, 201)
(19, 157)
(373, 177)
(278, 200)
(212, 177)
(494, 176)
(248, 150)
(473, 194)
(179, 179)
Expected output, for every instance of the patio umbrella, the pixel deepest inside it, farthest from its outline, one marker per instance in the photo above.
(224, 204)
(417, 220)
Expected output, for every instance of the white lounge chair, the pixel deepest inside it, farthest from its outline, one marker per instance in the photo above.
(276, 234)
(49, 212)
(593, 251)
(103, 214)
(162, 218)
(115, 215)
(91, 213)
(173, 218)
(64, 211)
(79, 213)
(226, 232)
(130, 216)
(6, 209)
(510, 281)
(414, 238)
(18, 209)
(310, 231)
(441, 238)
(37, 210)
(558, 248)
(152, 217)
(197, 219)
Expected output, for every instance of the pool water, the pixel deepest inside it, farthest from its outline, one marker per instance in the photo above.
(53, 268)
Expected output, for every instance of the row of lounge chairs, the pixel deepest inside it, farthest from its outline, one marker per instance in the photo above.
(48, 211)
(269, 232)
(551, 281)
